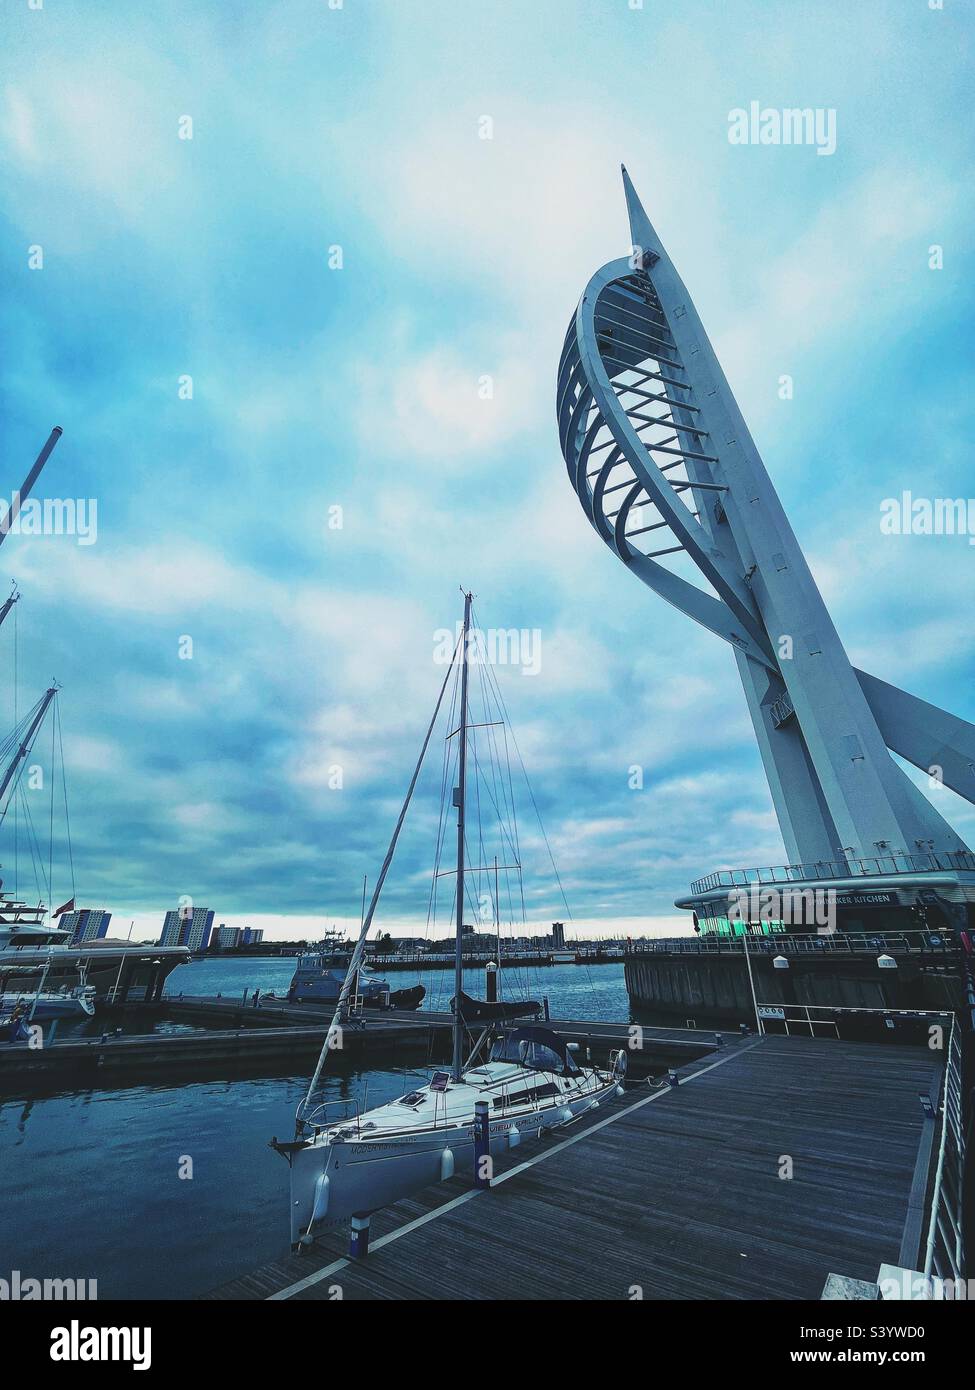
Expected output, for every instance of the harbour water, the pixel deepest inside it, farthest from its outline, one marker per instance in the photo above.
(166, 1191)
(573, 991)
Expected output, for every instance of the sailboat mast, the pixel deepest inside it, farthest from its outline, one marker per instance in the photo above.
(28, 483)
(497, 911)
(460, 798)
(24, 747)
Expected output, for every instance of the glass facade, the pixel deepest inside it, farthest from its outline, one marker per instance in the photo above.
(722, 926)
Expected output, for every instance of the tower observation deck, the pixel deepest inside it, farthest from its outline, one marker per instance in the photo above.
(668, 475)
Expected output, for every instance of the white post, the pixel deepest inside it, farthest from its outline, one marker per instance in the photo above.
(751, 980)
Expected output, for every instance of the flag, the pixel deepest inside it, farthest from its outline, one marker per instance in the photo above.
(68, 907)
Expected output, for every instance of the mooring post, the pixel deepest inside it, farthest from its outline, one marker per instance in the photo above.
(545, 1007)
(672, 1078)
(491, 982)
(359, 1238)
(482, 1144)
(718, 1040)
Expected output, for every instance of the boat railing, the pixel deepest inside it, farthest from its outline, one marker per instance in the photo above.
(314, 1115)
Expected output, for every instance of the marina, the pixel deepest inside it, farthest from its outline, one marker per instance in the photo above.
(448, 851)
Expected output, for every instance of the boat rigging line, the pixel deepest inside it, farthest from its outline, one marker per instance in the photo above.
(354, 963)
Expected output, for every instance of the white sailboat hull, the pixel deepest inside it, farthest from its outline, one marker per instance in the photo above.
(335, 1180)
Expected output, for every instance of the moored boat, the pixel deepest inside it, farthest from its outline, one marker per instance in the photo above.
(346, 1163)
(351, 1164)
(319, 977)
(76, 1004)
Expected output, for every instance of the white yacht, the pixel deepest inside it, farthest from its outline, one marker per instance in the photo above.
(350, 1164)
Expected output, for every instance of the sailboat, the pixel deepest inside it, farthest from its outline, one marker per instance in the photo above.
(345, 1163)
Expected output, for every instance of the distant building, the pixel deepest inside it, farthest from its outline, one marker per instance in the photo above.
(558, 936)
(224, 938)
(87, 924)
(172, 929)
(405, 945)
(187, 927)
(470, 940)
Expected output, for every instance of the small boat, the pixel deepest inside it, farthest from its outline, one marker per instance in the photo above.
(41, 1001)
(346, 1163)
(320, 975)
(74, 1004)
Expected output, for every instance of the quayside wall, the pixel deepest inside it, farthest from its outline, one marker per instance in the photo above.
(716, 988)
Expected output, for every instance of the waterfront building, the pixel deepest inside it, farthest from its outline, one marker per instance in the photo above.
(187, 927)
(85, 924)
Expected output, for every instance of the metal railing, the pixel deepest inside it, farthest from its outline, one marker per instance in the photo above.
(944, 1252)
(797, 1016)
(802, 1016)
(851, 867)
(393, 959)
(927, 943)
(944, 1255)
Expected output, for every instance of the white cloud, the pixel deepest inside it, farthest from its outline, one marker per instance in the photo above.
(437, 406)
(18, 128)
(85, 753)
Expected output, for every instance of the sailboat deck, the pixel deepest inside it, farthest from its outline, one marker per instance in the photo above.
(669, 1193)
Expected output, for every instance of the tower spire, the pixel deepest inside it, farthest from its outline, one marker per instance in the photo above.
(663, 464)
(642, 233)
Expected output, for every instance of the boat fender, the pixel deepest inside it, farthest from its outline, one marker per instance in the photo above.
(565, 1114)
(446, 1165)
(320, 1206)
(619, 1089)
(514, 1136)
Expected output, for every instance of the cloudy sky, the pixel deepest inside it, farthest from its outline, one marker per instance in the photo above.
(338, 259)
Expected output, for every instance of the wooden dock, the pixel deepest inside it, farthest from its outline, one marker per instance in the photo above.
(276, 1038)
(134, 1058)
(669, 1193)
(667, 1044)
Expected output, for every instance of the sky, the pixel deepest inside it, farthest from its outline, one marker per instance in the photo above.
(365, 257)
